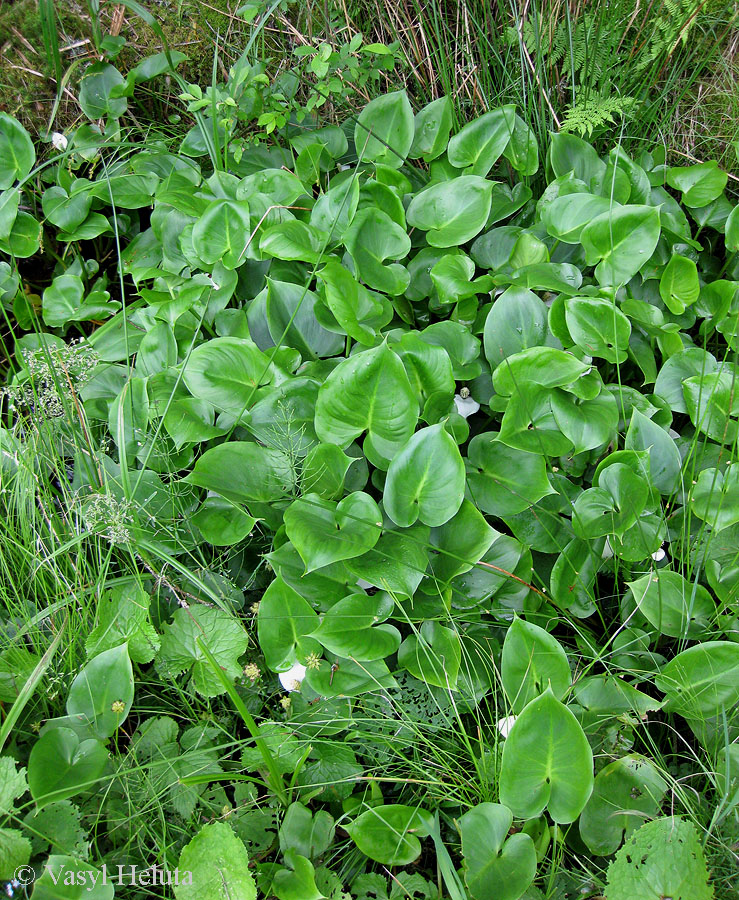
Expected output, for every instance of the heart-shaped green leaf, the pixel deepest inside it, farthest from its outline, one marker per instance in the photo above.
(425, 480)
(547, 763)
(497, 867)
(324, 532)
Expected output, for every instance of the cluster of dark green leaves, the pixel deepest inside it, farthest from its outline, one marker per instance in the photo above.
(484, 431)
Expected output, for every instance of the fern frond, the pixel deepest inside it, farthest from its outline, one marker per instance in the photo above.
(586, 116)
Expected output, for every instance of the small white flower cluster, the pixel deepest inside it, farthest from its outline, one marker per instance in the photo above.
(51, 370)
(110, 518)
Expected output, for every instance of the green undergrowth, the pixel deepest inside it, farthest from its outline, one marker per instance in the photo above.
(368, 503)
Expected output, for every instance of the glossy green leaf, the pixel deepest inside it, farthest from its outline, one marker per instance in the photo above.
(702, 680)
(522, 151)
(389, 834)
(547, 763)
(222, 234)
(334, 210)
(61, 765)
(502, 480)
(567, 215)
(460, 542)
(700, 184)
(294, 240)
(397, 562)
(96, 92)
(452, 212)
(433, 654)
(102, 694)
(496, 866)
(679, 285)
(598, 327)
(664, 457)
(517, 321)
(17, 153)
(222, 523)
(370, 392)
(226, 372)
(292, 322)
(480, 143)
(621, 241)
(425, 481)
(712, 404)
(568, 153)
(371, 239)
(533, 661)
(350, 630)
(715, 497)
(432, 126)
(625, 792)
(384, 130)
(284, 622)
(324, 532)
(243, 471)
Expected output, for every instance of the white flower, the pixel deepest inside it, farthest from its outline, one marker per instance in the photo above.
(292, 679)
(59, 141)
(504, 725)
(659, 555)
(466, 406)
(364, 584)
(607, 550)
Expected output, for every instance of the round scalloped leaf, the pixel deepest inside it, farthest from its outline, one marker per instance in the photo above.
(625, 792)
(664, 858)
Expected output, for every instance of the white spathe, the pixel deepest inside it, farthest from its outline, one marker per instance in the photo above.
(293, 678)
(504, 725)
(466, 406)
(59, 141)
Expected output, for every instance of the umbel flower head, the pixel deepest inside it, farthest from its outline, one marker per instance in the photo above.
(52, 372)
(109, 517)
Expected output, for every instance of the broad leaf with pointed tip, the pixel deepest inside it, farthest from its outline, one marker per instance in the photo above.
(397, 562)
(702, 680)
(480, 143)
(371, 239)
(384, 130)
(502, 480)
(432, 126)
(369, 392)
(433, 654)
(598, 327)
(532, 661)
(425, 480)
(350, 628)
(226, 371)
(621, 241)
(452, 212)
(390, 834)
(222, 233)
(671, 604)
(625, 792)
(60, 765)
(284, 622)
(547, 763)
(324, 532)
